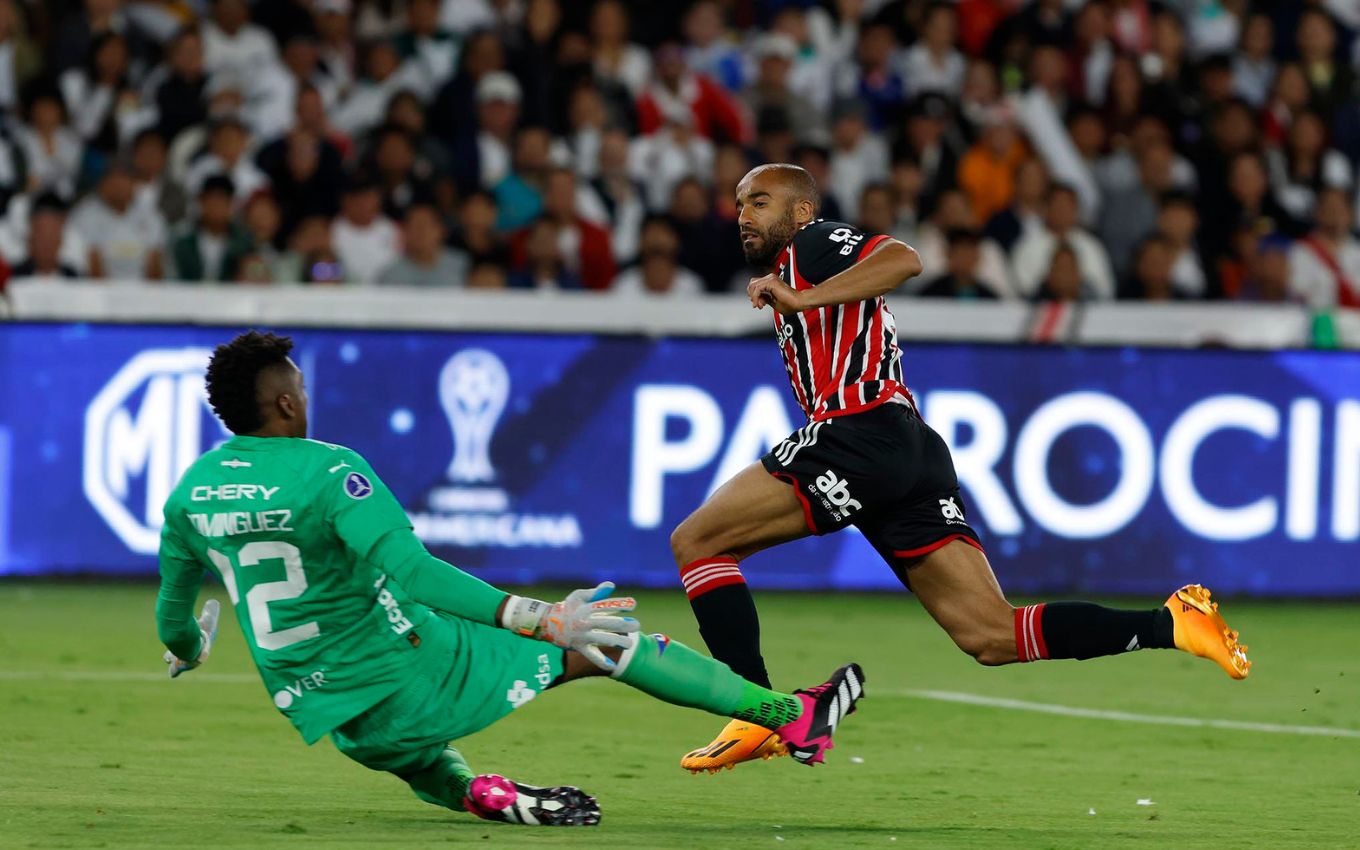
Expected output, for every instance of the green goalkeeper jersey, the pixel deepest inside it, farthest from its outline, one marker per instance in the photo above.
(293, 527)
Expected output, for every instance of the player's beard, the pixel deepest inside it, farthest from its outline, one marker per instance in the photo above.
(762, 254)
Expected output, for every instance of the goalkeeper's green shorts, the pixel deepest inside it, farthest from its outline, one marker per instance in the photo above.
(470, 676)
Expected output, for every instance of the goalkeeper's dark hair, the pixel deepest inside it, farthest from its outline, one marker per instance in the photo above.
(233, 374)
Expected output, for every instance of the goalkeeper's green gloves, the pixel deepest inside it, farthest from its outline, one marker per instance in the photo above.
(207, 627)
(585, 621)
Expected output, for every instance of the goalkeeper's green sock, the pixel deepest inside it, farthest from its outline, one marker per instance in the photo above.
(671, 671)
(444, 783)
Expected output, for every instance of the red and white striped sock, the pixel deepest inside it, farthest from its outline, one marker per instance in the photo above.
(705, 574)
(1029, 633)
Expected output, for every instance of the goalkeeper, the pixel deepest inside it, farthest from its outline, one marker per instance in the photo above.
(359, 633)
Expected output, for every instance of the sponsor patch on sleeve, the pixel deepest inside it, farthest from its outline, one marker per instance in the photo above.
(357, 486)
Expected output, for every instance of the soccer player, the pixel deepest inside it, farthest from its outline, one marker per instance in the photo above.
(359, 633)
(866, 458)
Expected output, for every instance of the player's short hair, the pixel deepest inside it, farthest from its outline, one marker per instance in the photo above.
(233, 373)
(799, 182)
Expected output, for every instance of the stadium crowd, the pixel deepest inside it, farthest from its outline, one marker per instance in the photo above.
(1031, 149)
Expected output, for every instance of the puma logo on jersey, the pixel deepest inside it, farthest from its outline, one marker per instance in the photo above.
(837, 492)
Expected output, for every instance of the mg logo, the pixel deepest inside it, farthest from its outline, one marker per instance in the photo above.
(142, 430)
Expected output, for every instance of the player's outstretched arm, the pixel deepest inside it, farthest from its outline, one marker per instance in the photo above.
(187, 639)
(585, 621)
(890, 264)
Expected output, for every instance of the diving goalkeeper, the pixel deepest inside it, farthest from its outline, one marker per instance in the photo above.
(359, 633)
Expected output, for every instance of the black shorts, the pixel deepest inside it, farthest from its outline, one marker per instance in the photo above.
(884, 471)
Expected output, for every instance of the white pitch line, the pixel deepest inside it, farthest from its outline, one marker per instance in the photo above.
(936, 696)
(1122, 716)
(118, 676)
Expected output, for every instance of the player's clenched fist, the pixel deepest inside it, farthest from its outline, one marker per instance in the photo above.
(585, 621)
(771, 289)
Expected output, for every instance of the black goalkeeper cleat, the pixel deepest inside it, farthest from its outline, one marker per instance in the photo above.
(493, 797)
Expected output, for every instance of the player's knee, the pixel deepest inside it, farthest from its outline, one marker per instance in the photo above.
(687, 545)
(987, 647)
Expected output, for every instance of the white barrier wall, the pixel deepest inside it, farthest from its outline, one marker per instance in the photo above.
(1120, 323)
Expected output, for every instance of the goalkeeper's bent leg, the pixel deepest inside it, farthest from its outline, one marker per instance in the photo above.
(444, 782)
(674, 673)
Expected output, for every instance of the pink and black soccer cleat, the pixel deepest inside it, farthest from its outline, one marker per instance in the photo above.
(493, 797)
(809, 737)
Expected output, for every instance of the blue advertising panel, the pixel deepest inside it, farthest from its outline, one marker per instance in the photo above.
(529, 458)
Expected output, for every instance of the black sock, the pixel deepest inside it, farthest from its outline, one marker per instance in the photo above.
(1084, 630)
(727, 616)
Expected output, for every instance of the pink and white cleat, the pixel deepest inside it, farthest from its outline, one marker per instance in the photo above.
(809, 737)
(493, 797)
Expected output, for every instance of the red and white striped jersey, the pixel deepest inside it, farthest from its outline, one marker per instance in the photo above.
(843, 358)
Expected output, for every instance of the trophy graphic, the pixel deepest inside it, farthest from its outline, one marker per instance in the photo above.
(473, 388)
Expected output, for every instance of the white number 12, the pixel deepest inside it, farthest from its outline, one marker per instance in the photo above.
(259, 596)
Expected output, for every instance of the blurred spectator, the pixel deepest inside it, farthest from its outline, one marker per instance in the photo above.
(1063, 280)
(124, 237)
(1253, 67)
(213, 248)
(228, 154)
(384, 75)
(770, 91)
(1025, 214)
(1248, 204)
(498, 97)
(1032, 257)
(156, 190)
(953, 213)
(543, 266)
(927, 144)
(858, 158)
(678, 95)
(1268, 275)
(1177, 223)
(664, 158)
(933, 64)
(489, 276)
(96, 92)
(907, 183)
(335, 44)
(476, 236)
(311, 239)
(980, 99)
(877, 209)
(46, 231)
(1324, 266)
(583, 247)
(614, 199)
(1130, 214)
(425, 261)
(51, 151)
(519, 195)
(875, 79)
(1289, 95)
(365, 240)
(177, 88)
(587, 121)
(233, 44)
(79, 29)
(426, 46)
(1153, 260)
(960, 280)
(615, 58)
(264, 223)
(710, 246)
(305, 176)
(814, 159)
(1093, 54)
(1305, 165)
(402, 178)
(987, 171)
(310, 116)
(1329, 81)
(710, 49)
(658, 271)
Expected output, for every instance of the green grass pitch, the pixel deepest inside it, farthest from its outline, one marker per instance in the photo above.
(97, 750)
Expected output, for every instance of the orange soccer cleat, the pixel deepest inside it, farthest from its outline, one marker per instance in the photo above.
(739, 741)
(1200, 630)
